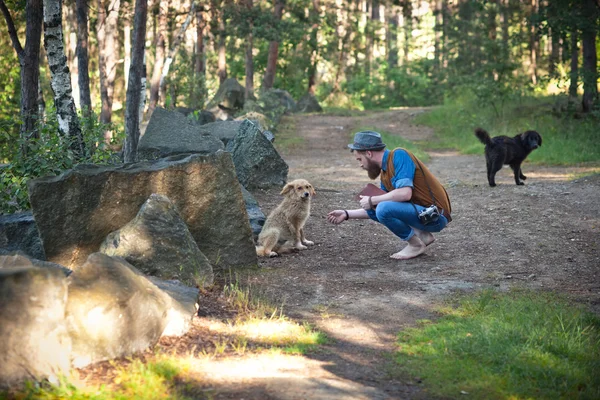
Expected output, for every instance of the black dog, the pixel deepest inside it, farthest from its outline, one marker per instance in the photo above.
(506, 150)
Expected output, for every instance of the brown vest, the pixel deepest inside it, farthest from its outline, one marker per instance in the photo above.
(422, 183)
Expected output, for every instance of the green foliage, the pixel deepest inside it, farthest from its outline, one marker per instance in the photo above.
(50, 154)
(517, 345)
(566, 140)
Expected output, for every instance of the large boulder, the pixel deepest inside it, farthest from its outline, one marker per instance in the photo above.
(170, 133)
(225, 131)
(308, 104)
(112, 310)
(14, 259)
(184, 305)
(274, 103)
(230, 95)
(78, 209)
(257, 162)
(158, 243)
(19, 232)
(35, 343)
(255, 215)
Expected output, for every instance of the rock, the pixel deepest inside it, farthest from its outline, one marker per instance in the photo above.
(158, 243)
(225, 131)
(77, 210)
(255, 214)
(184, 305)
(257, 118)
(202, 117)
(169, 133)
(274, 103)
(35, 343)
(230, 95)
(19, 232)
(308, 104)
(112, 310)
(257, 162)
(20, 259)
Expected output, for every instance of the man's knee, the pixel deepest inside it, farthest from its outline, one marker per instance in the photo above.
(385, 210)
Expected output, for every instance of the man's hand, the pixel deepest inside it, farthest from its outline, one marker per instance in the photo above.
(336, 216)
(365, 202)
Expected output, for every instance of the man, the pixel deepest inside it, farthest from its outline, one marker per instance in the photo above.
(409, 189)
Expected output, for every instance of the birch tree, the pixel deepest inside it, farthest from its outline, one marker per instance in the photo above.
(159, 59)
(68, 122)
(107, 33)
(134, 94)
(29, 62)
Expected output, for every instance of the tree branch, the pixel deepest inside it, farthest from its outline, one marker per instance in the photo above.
(11, 29)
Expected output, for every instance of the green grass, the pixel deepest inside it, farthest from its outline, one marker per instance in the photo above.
(566, 140)
(517, 345)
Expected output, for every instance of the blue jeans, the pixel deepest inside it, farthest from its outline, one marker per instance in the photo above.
(400, 218)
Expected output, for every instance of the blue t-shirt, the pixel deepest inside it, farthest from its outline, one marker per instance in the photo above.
(403, 166)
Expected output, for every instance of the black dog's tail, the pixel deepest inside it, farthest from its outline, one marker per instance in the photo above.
(483, 136)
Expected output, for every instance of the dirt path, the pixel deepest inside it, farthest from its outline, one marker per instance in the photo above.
(544, 235)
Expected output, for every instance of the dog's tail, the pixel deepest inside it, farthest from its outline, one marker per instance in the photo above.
(483, 136)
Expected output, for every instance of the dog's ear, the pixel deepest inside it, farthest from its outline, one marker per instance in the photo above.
(539, 139)
(286, 189)
(311, 190)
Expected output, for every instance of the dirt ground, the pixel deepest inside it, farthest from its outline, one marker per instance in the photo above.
(544, 235)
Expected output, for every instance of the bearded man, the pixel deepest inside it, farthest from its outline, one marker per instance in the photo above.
(413, 203)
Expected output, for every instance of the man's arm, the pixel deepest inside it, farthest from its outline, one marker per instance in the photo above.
(339, 216)
(400, 195)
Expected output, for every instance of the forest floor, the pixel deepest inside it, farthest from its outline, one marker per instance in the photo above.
(544, 235)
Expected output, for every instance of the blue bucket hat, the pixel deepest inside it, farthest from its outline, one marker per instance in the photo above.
(367, 140)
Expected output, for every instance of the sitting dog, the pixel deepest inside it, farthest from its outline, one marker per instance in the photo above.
(502, 150)
(283, 231)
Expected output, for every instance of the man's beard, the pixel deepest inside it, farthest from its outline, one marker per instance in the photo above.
(373, 170)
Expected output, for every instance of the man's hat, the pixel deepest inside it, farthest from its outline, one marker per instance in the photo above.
(367, 140)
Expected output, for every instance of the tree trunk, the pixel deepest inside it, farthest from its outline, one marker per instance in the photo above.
(533, 45)
(29, 62)
(407, 13)
(68, 122)
(108, 13)
(574, 75)
(555, 51)
(159, 59)
(313, 44)
(220, 35)
(175, 45)
(269, 78)
(85, 98)
(588, 40)
(132, 106)
(127, 16)
(439, 21)
(200, 68)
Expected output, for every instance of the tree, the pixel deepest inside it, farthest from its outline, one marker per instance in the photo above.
(85, 98)
(273, 55)
(132, 115)
(108, 55)
(249, 93)
(588, 39)
(68, 122)
(29, 61)
(159, 59)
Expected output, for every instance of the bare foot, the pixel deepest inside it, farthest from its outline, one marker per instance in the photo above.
(414, 248)
(426, 237)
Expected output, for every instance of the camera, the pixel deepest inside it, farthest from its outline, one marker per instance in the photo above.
(430, 215)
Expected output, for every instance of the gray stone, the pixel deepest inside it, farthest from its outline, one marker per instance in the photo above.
(230, 95)
(308, 104)
(170, 133)
(184, 305)
(78, 209)
(20, 259)
(225, 131)
(202, 117)
(112, 310)
(274, 103)
(158, 243)
(35, 343)
(257, 162)
(19, 232)
(255, 215)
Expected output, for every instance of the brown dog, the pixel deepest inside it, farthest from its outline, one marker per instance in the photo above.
(283, 231)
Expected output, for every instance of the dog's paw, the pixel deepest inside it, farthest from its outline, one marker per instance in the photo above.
(520, 183)
(308, 242)
(301, 247)
(523, 177)
(273, 254)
